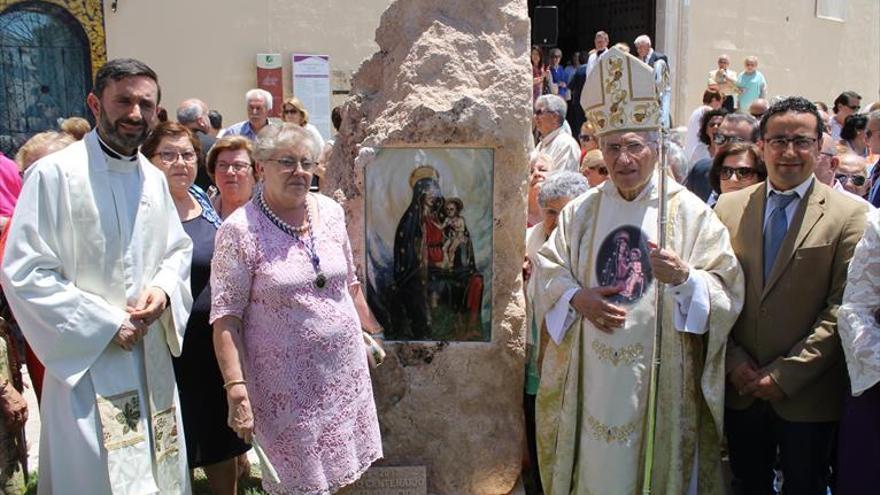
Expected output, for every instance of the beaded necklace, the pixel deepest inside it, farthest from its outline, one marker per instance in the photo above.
(296, 232)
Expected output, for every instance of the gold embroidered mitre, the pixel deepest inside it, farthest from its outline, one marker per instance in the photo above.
(620, 94)
(423, 172)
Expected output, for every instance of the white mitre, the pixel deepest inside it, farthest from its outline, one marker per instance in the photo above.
(620, 94)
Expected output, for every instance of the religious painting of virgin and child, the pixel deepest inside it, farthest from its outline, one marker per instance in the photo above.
(429, 242)
(623, 263)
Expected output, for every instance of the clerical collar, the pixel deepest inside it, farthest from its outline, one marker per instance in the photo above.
(113, 154)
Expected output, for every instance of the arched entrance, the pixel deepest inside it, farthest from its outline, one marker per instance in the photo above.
(45, 70)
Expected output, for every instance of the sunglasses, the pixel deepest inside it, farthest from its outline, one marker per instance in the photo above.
(289, 111)
(724, 139)
(741, 173)
(854, 108)
(587, 137)
(603, 171)
(857, 180)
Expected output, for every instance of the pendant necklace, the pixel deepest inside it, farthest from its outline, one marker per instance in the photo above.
(296, 232)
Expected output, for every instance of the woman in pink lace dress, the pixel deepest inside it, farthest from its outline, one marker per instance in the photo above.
(287, 312)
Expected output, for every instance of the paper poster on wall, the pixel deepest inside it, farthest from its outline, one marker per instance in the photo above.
(311, 84)
(269, 78)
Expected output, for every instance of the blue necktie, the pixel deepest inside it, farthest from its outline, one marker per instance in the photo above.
(774, 231)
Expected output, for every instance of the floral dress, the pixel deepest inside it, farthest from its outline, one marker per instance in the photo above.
(303, 354)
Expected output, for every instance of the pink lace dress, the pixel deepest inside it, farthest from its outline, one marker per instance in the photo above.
(303, 356)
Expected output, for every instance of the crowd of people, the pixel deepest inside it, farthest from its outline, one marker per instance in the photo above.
(155, 270)
(772, 341)
(182, 295)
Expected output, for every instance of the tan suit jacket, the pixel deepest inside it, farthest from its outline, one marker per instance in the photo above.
(788, 325)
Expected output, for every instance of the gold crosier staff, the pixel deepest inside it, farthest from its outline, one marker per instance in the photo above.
(663, 90)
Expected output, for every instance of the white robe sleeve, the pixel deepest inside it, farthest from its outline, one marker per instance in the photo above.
(691, 298)
(68, 328)
(173, 277)
(858, 328)
(561, 316)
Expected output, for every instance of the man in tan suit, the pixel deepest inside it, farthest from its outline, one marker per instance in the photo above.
(785, 371)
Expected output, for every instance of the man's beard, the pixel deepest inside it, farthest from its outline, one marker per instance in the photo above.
(116, 139)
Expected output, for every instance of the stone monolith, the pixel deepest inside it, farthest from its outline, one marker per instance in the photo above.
(452, 73)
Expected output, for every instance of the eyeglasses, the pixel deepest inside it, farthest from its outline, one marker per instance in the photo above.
(236, 167)
(801, 143)
(631, 149)
(741, 172)
(169, 157)
(857, 180)
(289, 164)
(585, 137)
(727, 138)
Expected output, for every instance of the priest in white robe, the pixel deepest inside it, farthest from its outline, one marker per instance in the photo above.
(96, 271)
(598, 276)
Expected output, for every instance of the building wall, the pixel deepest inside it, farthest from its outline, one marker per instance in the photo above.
(798, 53)
(207, 48)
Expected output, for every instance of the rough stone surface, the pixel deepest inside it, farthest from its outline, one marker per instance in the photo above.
(452, 73)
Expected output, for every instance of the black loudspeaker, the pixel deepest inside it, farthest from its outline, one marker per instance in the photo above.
(545, 26)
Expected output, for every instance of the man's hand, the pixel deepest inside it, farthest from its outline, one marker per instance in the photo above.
(764, 388)
(149, 306)
(240, 418)
(591, 304)
(742, 375)
(667, 266)
(13, 407)
(129, 333)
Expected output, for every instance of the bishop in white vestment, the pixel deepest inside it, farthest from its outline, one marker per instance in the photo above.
(599, 272)
(93, 232)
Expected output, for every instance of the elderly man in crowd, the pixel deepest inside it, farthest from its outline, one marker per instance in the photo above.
(852, 174)
(735, 128)
(872, 135)
(601, 45)
(846, 104)
(646, 52)
(794, 237)
(259, 104)
(758, 108)
(597, 275)
(723, 80)
(557, 72)
(559, 145)
(193, 114)
(826, 168)
(96, 270)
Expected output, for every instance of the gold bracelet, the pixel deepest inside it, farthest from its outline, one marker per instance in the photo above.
(232, 383)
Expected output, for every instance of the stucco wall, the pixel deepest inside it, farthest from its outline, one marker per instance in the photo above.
(798, 53)
(207, 48)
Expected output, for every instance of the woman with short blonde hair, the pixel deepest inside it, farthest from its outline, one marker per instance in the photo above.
(288, 313)
(293, 111)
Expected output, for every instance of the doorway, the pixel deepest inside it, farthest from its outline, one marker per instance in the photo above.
(45, 71)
